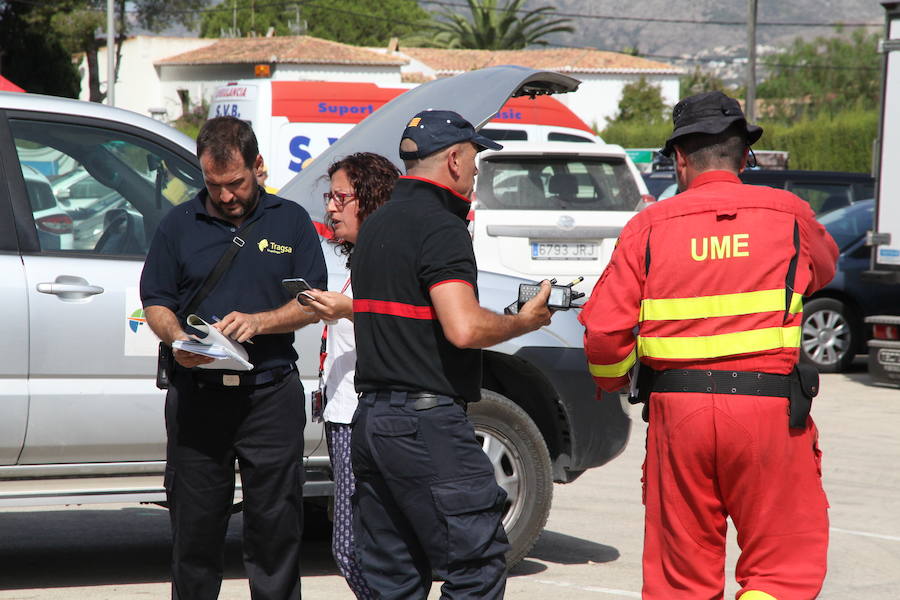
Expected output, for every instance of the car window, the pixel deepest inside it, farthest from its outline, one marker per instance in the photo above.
(867, 190)
(106, 190)
(658, 182)
(558, 136)
(504, 135)
(556, 183)
(822, 197)
(846, 225)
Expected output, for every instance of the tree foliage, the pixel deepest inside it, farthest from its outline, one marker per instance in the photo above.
(239, 18)
(827, 74)
(642, 101)
(365, 23)
(33, 57)
(357, 22)
(699, 81)
(79, 25)
(498, 28)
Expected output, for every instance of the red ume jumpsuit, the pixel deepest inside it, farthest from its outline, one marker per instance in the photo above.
(713, 278)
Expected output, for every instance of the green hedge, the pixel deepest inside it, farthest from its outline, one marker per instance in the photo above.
(635, 134)
(839, 142)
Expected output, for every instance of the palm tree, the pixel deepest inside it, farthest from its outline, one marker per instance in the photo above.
(493, 28)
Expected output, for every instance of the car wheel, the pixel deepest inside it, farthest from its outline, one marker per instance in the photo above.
(521, 463)
(829, 336)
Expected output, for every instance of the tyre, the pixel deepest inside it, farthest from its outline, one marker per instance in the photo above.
(830, 335)
(521, 463)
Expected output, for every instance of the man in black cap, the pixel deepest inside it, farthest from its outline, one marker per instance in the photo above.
(712, 281)
(426, 497)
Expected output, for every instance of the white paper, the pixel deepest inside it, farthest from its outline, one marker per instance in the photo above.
(229, 354)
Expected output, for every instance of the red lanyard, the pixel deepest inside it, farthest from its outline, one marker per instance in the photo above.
(322, 349)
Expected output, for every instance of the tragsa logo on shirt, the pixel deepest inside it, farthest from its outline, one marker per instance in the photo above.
(265, 245)
(136, 320)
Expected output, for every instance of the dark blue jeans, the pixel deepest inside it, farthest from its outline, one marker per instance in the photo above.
(426, 501)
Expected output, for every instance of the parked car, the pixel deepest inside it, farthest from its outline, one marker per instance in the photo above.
(545, 210)
(660, 183)
(834, 331)
(824, 190)
(884, 348)
(52, 222)
(81, 420)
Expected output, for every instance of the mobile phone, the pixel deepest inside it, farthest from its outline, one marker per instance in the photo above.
(296, 286)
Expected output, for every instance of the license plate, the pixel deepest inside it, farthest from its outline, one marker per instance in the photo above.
(888, 357)
(565, 250)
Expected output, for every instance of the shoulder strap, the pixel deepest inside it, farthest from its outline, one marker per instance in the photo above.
(216, 274)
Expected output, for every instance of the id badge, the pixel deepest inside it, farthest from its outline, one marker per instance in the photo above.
(317, 405)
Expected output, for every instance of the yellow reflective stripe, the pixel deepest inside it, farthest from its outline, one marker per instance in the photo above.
(796, 303)
(756, 595)
(722, 305)
(725, 344)
(615, 370)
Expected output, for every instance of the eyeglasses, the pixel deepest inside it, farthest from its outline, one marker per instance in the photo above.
(340, 199)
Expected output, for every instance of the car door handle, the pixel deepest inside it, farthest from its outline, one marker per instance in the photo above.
(69, 287)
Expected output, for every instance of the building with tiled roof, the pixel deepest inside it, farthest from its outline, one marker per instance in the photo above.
(282, 50)
(163, 76)
(443, 63)
(603, 74)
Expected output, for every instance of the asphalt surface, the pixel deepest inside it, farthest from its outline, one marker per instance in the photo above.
(591, 547)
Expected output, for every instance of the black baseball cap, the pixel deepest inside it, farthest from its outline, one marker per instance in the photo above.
(709, 112)
(434, 130)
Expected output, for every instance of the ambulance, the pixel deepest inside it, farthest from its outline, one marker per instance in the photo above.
(295, 121)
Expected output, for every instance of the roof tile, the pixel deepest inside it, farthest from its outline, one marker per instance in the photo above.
(282, 49)
(563, 60)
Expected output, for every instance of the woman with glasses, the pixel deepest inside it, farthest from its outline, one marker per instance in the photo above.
(360, 183)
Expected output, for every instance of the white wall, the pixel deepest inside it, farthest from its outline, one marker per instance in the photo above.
(138, 87)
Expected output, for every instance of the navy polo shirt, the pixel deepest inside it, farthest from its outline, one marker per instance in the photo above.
(189, 243)
(418, 240)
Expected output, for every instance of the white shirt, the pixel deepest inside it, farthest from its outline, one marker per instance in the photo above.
(340, 365)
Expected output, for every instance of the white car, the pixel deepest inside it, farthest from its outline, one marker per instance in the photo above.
(51, 221)
(553, 210)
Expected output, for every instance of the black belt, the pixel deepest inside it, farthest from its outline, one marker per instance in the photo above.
(256, 379)
(419, 400)
(745, 383)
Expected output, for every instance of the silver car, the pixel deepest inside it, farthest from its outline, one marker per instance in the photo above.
(80, 417)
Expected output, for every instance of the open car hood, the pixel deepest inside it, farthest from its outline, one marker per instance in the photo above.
(476, 95)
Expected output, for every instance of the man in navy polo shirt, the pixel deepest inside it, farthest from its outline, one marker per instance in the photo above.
(426, 498)
(215, 416)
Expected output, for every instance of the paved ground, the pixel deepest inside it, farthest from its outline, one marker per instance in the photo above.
(589, 550)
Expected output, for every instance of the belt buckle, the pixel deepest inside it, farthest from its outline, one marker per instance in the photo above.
(231, 380)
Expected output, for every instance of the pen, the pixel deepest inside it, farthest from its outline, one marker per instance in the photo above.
(217, 319)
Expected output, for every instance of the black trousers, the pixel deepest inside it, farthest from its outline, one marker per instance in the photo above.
(208, 428)
(426, 500)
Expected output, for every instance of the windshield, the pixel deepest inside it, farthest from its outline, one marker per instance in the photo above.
(848, 224)
(556, 183)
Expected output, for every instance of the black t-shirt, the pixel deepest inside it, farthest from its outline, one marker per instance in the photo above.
(416, 241)
(189, 243)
